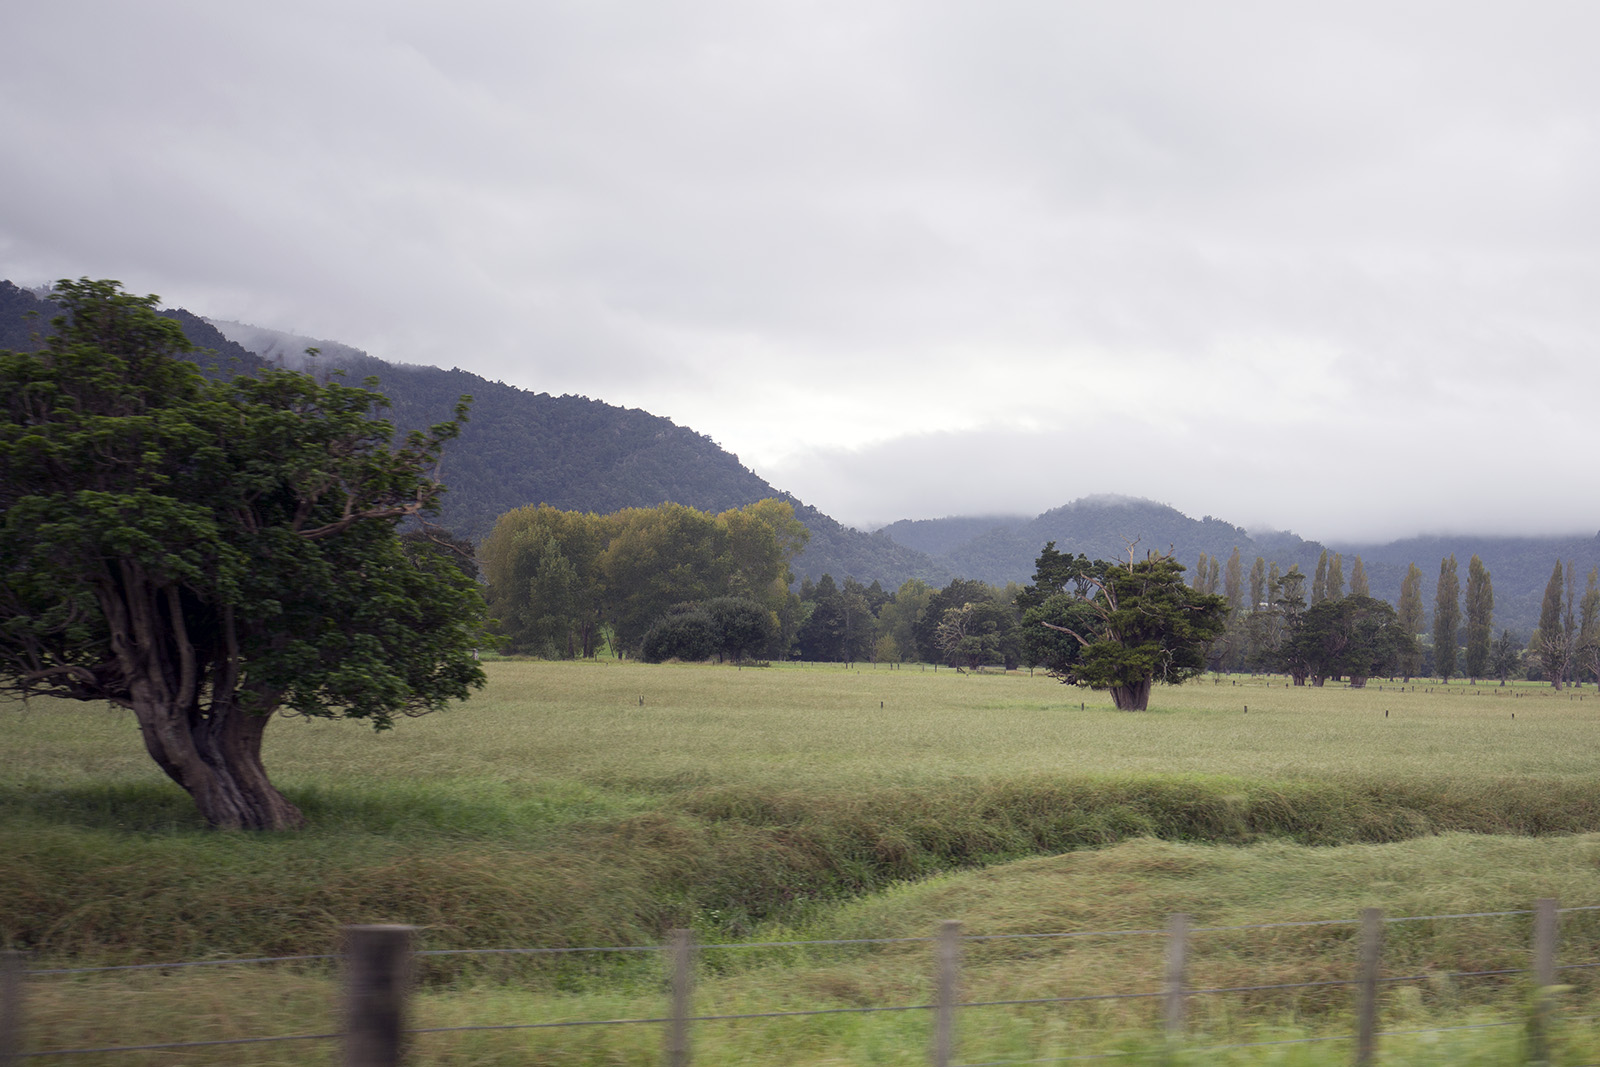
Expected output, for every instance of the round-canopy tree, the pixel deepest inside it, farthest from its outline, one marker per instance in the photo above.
(205, 552)
(1135, 624)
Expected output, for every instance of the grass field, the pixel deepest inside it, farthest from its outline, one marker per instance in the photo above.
(592, 804)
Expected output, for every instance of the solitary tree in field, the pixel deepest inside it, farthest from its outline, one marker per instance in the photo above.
(1135, 624)
(1480, 619)
(1411, 619)
(1505, 658)
(205, 553)
(1446, 619)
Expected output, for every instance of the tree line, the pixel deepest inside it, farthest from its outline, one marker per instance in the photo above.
(673, 582)
(1268, 613)
(667, 579)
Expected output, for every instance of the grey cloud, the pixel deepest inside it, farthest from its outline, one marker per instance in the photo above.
(802, 231)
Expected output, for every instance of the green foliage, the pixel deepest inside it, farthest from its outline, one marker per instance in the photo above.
(735, 628)
(1282, 651)
(1144, 624)
(1587, 654)
(1446, 619)
(1055, 607)
(205, 552)
(841, 625)
(688, 633)
(1480, 619)
(1352, 635)
(1555, 636)
(1411, 618)
(1506, 659)
(558, 578)
(977, 634)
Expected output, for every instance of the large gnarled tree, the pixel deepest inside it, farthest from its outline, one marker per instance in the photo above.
(1134, 624)
(205, 553)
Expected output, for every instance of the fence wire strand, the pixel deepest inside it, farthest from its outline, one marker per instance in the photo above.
(178, 1044)
(844, 1011)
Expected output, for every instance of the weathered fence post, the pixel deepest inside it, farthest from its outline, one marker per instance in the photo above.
(1177, 959)
(1367, 986)
(10, 1008)
(1544, 977)
(377, 978)
(680, 957)
(947, 994)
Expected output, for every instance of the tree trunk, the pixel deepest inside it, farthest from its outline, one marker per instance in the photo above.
(1358, 681)
(216, 757)
(1134, 697)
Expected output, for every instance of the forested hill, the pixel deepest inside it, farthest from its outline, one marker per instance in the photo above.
(520, 447)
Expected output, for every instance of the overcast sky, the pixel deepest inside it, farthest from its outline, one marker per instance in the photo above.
(1316, 266)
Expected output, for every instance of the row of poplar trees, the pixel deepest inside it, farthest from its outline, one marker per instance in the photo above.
(1565, 648)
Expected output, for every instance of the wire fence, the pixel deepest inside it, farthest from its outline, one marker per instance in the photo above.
(378, 963)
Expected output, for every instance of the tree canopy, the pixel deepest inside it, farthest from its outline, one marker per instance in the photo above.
(1136, 623)
(1353, 636)
(558, 578)
(205, 552)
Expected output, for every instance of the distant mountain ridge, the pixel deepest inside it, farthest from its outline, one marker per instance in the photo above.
(520, 447)
(998, 549)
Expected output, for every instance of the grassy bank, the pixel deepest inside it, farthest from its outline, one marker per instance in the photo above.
(1132, 886)
(560, 810)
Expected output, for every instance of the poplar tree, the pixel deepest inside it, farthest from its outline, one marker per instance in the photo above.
(1258, 584)
(1480, 619)
(1411, 617)
(1336, 577)
(1446, 619)
(1358, 579)
(1319, 580)
(1553, 647)
(1588, 656)
(1233, 583)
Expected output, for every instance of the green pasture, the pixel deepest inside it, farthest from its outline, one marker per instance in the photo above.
(603, 803)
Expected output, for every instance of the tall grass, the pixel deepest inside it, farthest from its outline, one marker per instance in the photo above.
(1128, 887)
(603, 803)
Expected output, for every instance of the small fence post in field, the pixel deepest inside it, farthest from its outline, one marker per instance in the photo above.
(1177, 959)
(680, 957)
(377, 962)
(1544, 977)
(1367, 986)
(947, 955)
(10, 1008)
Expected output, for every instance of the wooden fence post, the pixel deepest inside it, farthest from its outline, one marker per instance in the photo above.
(1367, 986)
(1544, 977)
(1177, 959)
(947, 954)
(377, 978)
(680, 957)
(10, 1008)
